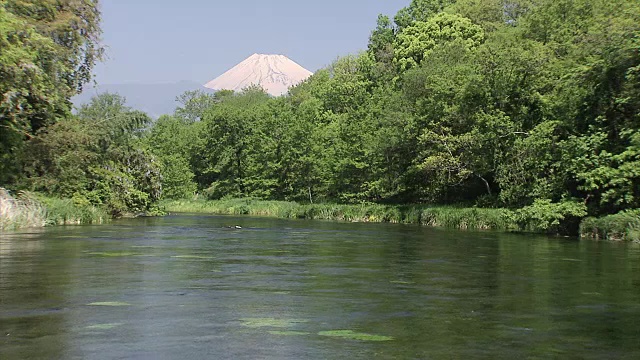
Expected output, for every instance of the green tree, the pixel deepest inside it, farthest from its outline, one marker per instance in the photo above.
(48, 50)
(27, 78)
(420, 10)
(532, 168)
(74, 28)
(173, 140)
(194, 103)
(278, 164)
(415, 41)
(382, 38)
(228, 136)
(96, 156)
(529, 104)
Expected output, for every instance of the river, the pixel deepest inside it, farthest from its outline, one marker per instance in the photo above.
(197, 287)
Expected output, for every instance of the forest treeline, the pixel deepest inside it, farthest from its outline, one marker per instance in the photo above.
(523, 104)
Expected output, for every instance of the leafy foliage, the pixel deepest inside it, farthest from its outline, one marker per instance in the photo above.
(415, 41)
(48, 50)
(96, 157)
(172, 141)
(544, 215)
(529, 105)
(623, 226)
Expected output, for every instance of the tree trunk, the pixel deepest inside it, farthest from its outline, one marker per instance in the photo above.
(486, 184)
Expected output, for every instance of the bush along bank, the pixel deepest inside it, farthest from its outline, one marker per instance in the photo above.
(26, 210)
(541, 217)
(623, 226)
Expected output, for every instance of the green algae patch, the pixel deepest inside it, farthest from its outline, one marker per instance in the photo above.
(271, 322)
(196, 257)
(109, 303)
(115, 254)
(108, 326)
(352, 335)
(288, 333)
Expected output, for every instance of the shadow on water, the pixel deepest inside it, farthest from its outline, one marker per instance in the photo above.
(195, 286)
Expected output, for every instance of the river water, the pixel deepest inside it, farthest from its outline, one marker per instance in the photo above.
(190, 287)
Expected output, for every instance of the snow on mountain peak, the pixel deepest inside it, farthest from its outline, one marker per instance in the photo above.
(274, 73)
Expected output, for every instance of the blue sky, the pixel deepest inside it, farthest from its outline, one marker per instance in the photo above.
(163, 41)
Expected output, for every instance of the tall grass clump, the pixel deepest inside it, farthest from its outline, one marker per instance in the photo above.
(20, 211)
(623, 226)
(466, 218)
(33, 210)
(70, 212)
(245, 206)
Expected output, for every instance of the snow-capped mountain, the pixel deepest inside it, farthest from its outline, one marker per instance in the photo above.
(274, 73)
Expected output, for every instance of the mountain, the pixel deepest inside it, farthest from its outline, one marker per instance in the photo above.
(274, 73)
(154, 99)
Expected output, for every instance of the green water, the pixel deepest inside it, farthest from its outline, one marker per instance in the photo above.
(188, 287)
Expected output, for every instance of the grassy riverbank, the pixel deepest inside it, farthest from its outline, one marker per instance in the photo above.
(66, 212)
(449, 217)
(624, 226)
(28, 210)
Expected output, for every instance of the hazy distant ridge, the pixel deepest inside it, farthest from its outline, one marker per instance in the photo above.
(274, 73)
(154, 99)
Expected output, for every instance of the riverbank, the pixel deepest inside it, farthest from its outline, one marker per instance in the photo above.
(619, 227)
(34, 210)
(25, 210)
(444, 216)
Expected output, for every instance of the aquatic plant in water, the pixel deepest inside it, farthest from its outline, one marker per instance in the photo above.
(352, 335)
(108, 326)
(109, 303)
(288, 333)
(270, 322)
(197, 257)
(114, 254)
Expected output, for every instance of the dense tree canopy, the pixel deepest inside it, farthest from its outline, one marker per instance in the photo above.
(526, 104)
(97, 157)
(416, 41)
(523, 104)
(49, 48)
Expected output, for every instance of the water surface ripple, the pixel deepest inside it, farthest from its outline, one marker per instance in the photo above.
(195, 287)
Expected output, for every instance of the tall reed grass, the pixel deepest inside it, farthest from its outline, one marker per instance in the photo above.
(67, 212)
(20, 211)
(29, 210)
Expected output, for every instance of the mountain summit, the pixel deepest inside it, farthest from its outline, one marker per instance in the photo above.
(274, 73)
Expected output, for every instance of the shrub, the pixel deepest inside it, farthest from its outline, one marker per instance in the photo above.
(623, 226)
(546, 216)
